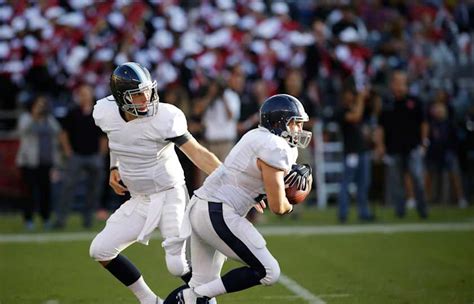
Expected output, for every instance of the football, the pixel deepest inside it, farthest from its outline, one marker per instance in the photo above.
(296, 196)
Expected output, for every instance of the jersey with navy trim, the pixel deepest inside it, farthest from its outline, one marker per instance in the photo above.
(147, 160)
(238, 181)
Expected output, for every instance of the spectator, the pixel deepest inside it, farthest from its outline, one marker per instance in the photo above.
(402, 136)
(345, 18)
(250, 110)
(37, 154)
(84, 146)
(221, 113)
(356, 154)
(467, 153)
(442, 153)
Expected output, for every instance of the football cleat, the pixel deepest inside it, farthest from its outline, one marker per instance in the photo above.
(188, 296)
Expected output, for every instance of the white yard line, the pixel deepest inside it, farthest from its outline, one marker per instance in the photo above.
(369, 228)
(299, 290)
(267, 231)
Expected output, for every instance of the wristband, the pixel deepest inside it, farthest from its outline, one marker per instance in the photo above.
(113, 168)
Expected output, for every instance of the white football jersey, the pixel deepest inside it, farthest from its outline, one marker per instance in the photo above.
(147, 161)
(238, 181)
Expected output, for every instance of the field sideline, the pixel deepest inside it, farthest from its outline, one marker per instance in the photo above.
(266, 231)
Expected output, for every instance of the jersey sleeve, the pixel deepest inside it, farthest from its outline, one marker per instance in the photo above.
(99, 114)
(177, 124)
(277, 154)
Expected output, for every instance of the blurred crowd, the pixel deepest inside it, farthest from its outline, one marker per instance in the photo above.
(219, 59)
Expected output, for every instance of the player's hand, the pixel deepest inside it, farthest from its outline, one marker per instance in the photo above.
(260, 206)
(116, 183)
(299, 176)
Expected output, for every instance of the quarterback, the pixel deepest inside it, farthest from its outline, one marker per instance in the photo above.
(142, 134)
(255, 167)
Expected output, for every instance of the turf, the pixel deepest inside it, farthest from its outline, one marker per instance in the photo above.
(415, 267)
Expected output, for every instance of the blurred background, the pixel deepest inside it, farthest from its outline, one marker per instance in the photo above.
(388, 86)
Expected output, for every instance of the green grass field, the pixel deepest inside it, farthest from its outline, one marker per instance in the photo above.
(339, 267)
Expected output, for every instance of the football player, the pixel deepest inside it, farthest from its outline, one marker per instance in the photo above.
(142, 134)
(255, 167)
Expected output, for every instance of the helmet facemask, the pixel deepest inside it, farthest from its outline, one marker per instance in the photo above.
(297, 138)
(147, 108)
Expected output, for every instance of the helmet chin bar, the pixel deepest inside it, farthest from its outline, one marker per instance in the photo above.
(303, 138)
(300, 139)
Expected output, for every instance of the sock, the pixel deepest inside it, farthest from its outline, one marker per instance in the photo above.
(130, 276)
(211, 289)
(241, 278)
(123, 270)
(143, 293)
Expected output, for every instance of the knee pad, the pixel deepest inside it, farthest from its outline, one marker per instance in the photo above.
(272, 273)
(175, 256)
(177, 264)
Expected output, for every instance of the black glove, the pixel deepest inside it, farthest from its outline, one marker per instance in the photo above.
(299, 175)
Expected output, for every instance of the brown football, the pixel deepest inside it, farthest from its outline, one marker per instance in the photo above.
(296, 196)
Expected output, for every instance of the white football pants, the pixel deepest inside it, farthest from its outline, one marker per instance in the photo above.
(125, 224)
(209, 250)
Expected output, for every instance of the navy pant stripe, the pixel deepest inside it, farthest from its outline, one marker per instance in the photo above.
(217, 220)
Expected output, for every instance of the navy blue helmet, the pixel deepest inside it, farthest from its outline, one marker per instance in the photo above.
(130, 79)
(278, 111)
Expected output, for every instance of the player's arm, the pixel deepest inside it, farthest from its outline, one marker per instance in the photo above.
(115, 181)
(198, 154)
(273, 181)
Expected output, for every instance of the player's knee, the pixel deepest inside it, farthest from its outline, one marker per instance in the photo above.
(98, 252)
(95, 250)
(176, 264)
(272, 273)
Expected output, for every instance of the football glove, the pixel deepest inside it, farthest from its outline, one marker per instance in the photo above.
(298, 176)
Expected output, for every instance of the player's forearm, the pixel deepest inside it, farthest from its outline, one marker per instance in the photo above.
(200, 156)
(113, 160)
(275, 189)
(278, 203)
(208, 161)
